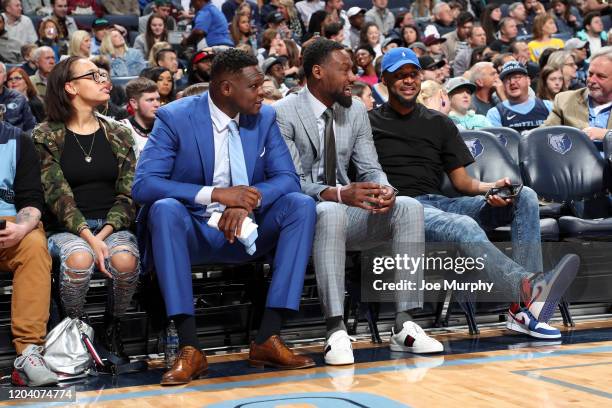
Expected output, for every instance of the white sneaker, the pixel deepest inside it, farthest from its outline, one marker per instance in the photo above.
(413, 339)
(338, 349)
(31, 370)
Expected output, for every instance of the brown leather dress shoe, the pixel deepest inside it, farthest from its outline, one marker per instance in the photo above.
(189, 364)
(275, 353)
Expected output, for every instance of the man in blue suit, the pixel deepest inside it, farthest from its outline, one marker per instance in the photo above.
(223, 152)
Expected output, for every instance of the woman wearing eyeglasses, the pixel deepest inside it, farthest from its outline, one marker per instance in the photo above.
(18, 80)
(87, 164)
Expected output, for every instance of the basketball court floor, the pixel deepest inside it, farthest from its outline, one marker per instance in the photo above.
(493, 369)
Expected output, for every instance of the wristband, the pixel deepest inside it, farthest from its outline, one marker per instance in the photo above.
(338, 190)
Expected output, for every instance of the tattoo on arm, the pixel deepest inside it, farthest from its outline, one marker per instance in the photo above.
(28, 215)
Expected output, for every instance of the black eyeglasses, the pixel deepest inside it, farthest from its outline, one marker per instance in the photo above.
(98, 77)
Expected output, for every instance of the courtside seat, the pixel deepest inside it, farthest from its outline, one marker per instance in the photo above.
(508, 137)
(562, 165)
(493, 161)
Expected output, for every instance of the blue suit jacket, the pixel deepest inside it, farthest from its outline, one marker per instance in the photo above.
(179, 159)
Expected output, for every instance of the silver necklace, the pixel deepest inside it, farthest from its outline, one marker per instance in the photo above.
(88, 158)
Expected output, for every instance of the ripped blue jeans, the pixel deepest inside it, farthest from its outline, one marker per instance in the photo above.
(74, 283)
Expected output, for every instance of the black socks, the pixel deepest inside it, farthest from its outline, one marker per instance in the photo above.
(186, 328)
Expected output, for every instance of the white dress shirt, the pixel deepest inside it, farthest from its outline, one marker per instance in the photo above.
(222, 173)
(318, 109)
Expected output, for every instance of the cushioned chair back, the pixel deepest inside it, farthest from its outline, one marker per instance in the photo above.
(493, 161)
(561, 164)
(508, 137)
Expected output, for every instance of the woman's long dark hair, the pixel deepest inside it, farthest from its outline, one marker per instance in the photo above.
(58, 103)
(154, 74)
(150, 37)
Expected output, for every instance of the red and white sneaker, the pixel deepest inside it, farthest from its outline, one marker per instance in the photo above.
(412, 339)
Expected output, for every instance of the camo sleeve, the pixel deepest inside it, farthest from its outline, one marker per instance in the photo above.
(59, 198)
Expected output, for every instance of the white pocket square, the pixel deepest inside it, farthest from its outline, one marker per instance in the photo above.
(264, 152)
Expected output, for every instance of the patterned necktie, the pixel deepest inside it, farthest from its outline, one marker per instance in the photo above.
(330, 148)
(238, 168)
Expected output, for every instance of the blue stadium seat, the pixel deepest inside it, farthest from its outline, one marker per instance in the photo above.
(562, 165)
(508, 137)
(84, 21)
(122, 81)
(130, 22)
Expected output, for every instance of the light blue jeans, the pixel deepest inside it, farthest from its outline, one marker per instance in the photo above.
(74, 283)
(463, 220)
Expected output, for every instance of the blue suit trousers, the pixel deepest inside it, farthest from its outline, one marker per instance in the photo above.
(181, 238)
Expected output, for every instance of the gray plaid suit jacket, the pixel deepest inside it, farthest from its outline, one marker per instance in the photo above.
(354, 142)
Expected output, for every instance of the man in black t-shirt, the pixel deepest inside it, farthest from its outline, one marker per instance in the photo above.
(416, 146)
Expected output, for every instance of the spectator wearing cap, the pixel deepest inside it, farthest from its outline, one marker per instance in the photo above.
(122, 7)
(477, 38)
(230, 7)
(593, 32)
(201, 64)
(457, 40)
(306, 8)
(370, 35)
(518, 12)
(364, 59)
(520, 111)
(99, 27)
(567, 17)
(434, 46)
(579, 49)
(209, 23)
(356, 16)
(588, 108)
(507, 34)
(489, 88)
(460, 92)
(430, 68)
(443, 19)
(381, 16)
(390, 43)
(276, 21)
(274, 67)
(418, 48)
(10, 48)
(18, 26)
(162, 8)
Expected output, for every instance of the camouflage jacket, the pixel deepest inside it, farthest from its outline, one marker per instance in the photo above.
(49, 141)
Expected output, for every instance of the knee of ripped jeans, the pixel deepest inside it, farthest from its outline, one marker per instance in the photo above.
(77, 267)
(124, 265)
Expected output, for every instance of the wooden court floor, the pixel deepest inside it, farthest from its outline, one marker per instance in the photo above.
(494, 369)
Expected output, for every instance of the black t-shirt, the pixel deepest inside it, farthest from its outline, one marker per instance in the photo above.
(416, 149)
(93, 184)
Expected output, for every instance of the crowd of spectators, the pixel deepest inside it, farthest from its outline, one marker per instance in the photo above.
(172, 42)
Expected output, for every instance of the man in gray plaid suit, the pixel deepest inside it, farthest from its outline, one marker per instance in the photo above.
(325, 129)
